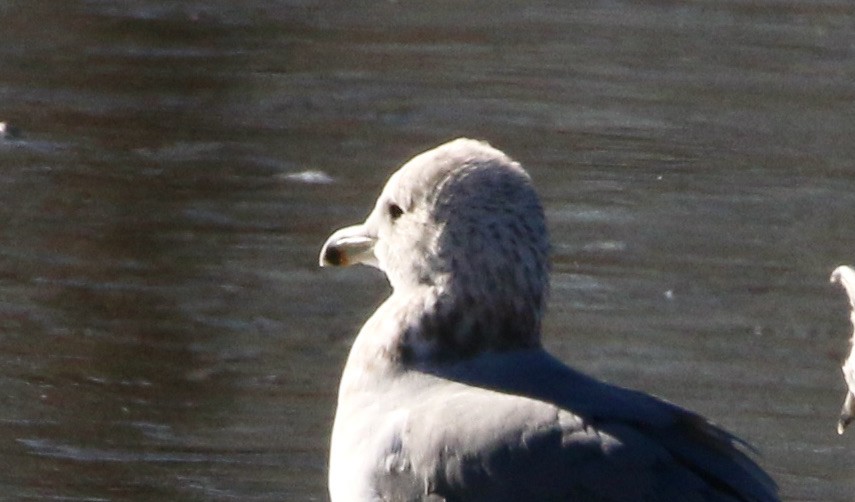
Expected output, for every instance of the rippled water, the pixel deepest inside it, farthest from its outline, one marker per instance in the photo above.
(165, 333)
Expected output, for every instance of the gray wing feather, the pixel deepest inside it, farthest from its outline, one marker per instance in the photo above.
(529, 427)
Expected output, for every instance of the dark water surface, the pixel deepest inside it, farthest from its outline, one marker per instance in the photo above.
(165, 333)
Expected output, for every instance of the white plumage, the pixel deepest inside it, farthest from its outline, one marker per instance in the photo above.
(846, 277)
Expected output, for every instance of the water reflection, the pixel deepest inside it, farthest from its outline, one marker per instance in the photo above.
(130, 291)
(165, 333)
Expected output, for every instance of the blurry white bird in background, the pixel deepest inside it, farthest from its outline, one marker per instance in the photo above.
(846, 277)
(447, 393)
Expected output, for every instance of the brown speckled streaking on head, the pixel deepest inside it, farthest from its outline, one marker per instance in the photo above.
(846, 277)
(447, 393)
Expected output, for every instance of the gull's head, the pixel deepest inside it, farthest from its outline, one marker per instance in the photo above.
(464, 222)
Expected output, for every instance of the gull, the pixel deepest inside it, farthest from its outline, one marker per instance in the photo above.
(846, 277)
(447, 393)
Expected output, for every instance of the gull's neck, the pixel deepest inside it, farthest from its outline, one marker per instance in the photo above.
(440, 324)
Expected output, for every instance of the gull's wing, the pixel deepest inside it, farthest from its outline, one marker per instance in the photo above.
(471, 444)
(526, 425)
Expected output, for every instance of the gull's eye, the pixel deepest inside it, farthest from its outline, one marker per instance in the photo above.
(395, 211)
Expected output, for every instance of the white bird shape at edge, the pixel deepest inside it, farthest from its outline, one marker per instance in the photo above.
(448, 395)
(846, 277)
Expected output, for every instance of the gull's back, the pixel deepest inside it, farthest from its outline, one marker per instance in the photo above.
(524, 427)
